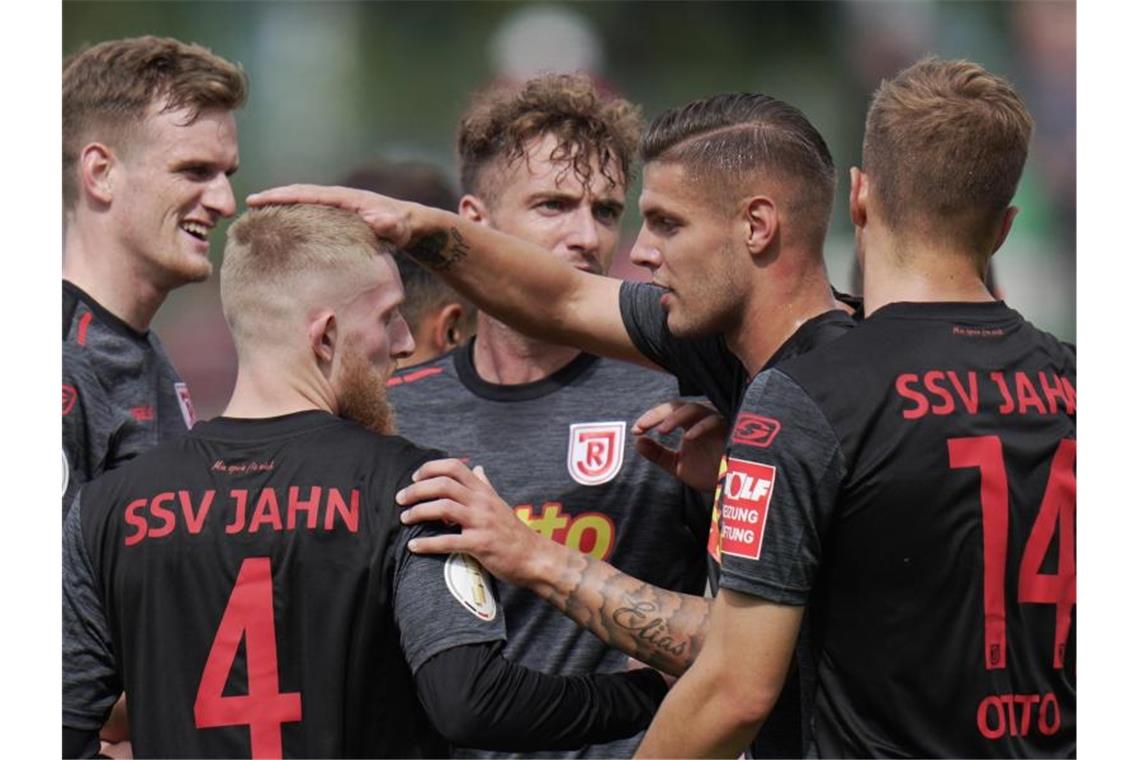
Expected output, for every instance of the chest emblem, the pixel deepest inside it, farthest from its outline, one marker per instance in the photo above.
(595, 451)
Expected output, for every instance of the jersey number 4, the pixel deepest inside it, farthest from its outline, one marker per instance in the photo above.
(249, 612)
(1058, 509)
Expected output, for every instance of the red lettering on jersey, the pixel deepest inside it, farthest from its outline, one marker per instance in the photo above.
(159, 510)
(754, 430)
(266, 511)
(744, 507)
(1000, 715)
(70, 395)
(1055, 391)
(310, 507)
(136, 521)
(1027, 394)
(931, 381)
(349, 513)
(194, 521)
(1007, 399)
(142, 413)
(1070, 396)
(240, 497)
(969, 399)
(902, 387)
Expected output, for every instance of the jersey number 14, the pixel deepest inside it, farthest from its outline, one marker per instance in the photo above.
(264, 708)
(1058, 510)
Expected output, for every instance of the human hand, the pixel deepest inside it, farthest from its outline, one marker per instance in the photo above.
(446, 490)
(389, 218)
(696, 461)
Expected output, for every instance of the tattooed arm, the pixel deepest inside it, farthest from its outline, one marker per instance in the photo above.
(543, 296)
(661, 628)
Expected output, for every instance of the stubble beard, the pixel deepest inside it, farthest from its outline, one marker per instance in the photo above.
(363, 395)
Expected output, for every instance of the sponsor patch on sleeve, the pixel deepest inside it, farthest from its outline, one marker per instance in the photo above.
(468, 583)
(745, 495)
(754, 430)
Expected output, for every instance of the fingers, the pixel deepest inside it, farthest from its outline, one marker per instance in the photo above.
(437, 510)
(481, 474)
(652, 418)
(449, 543)
(713, 424)
(440, 487)
(660, 455)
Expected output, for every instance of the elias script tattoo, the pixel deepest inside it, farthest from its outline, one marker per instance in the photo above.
(440, 250)
(641, 619)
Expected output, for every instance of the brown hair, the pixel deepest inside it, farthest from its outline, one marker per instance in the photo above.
(728, 141)
(108, 88)
(502, 121)
(277, 258)
(944, 147)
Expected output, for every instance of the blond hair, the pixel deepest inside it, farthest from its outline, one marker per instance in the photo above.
(283, 261)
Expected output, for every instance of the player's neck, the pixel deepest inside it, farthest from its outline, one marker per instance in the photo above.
(94, 264)
(777, 306)
(263, 390)
(507, 357)
(897, 270)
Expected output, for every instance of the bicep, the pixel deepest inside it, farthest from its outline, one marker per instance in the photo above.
(592, 317)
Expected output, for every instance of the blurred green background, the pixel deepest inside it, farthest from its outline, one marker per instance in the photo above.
(337, 84)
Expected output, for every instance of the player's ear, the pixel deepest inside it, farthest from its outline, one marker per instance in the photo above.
(96, 162)
(446, 333)
(322, 338)
(1007, 218)
(857, 201)
(763, 223)
(472, 207)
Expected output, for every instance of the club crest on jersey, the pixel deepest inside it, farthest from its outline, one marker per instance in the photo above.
(468, 583)
(745, 494)
(187, 405)
(595, 451)
(754, 430)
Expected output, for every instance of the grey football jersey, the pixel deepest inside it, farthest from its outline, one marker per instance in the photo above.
(561, 452)
(121, 394)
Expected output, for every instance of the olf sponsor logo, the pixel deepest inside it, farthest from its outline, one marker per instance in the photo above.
(745, 494)
(595, 451)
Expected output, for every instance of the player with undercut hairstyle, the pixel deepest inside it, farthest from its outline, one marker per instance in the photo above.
(916, 495)
(549, 161)
(149, 143)
(247, 585)
(735, 203)
(440, 319)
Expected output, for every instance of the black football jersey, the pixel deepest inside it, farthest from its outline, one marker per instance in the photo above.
(248, 586)
(914, 484)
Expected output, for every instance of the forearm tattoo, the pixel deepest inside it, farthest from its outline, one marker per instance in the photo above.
(440, 250)
(664, 629)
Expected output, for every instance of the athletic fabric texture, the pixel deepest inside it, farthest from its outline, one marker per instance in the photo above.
(915, 486)
(247, 584)
(121, 394)
(561, 452)
(705, 365)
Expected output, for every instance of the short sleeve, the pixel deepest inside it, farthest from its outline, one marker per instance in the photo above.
(91, 682)
(442, 601)
(777, 493)
(702, 366)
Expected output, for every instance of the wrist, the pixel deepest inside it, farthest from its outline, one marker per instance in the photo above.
(545, 561)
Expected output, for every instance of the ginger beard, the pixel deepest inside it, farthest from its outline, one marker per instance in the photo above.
(362, 393)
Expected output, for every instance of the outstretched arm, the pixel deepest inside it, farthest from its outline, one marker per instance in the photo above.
(542, 297)
(661, 628)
